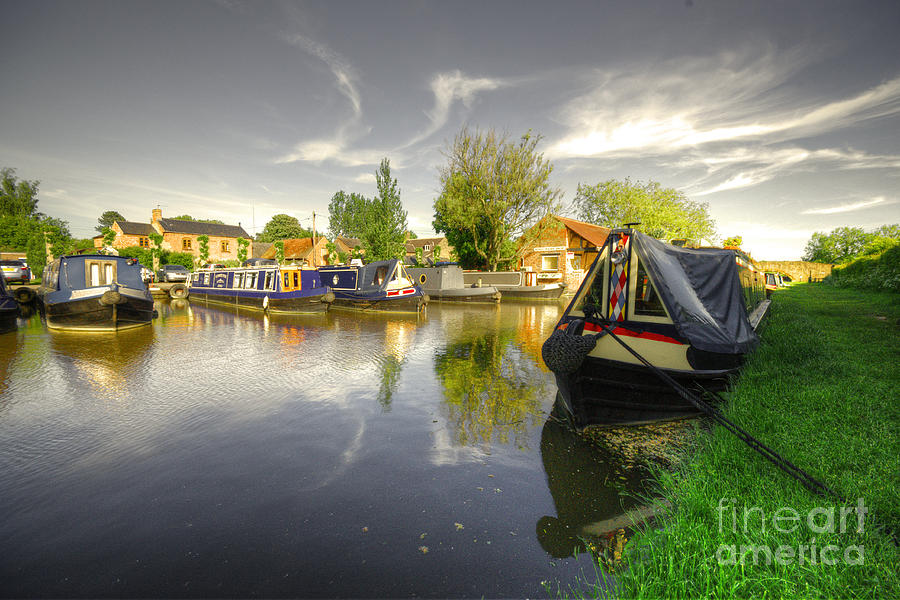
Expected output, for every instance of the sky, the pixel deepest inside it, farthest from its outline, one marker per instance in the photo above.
(784, 117)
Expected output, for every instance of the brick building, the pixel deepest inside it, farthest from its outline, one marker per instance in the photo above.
(561, 250)
(179, 236)
(300, 251)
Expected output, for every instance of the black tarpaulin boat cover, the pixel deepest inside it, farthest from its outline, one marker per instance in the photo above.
(701, 291)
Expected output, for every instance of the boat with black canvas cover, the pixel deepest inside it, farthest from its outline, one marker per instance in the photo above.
(690, 312)
(444, 283)
(94, 292)
(378, 285)
(263, 286)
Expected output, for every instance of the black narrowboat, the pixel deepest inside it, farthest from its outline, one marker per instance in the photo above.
(272, 288)
(94, 292)
(376, 286)
(690, 312)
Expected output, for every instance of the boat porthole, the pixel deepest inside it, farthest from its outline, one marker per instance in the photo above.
(334, 280)
(422, 278)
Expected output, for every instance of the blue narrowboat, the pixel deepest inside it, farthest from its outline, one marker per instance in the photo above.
(379, 285)
(9, 308)
(94, 292)
(272, 288)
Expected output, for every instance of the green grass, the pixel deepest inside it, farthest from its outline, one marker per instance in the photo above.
(823, 389)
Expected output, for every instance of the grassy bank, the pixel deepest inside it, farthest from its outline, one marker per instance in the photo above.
(823, 389)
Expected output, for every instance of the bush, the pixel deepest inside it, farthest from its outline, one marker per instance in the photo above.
(142, 254)
(878, 272)
(180, 258)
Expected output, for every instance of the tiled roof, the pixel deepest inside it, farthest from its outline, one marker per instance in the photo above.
(132, 228)
(294, 248)
(349, 242)
(595, 234)
(201, 228)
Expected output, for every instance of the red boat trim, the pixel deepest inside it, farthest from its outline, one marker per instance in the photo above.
(404, 292)
(644, 335)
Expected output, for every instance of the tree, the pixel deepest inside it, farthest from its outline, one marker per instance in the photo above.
(17, 198)
(190, 218)
(663, 213)
(347, 215)
(843, 244)
(204, 248)
(109, 236)
(734, 241)
(492, 190)
(385, 229)
(282, 227)
(242, 249)
(107, 219)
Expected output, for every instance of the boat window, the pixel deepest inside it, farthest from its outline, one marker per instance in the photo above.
(250, 280)
(592, 292)
(100, 272)
(270, 280)
(380, 274)
(238, 281)
(646, 300)
(287, 281)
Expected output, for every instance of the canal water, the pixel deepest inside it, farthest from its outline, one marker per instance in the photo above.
(226, 453)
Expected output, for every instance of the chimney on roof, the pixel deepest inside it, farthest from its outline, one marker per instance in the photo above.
(157, 215)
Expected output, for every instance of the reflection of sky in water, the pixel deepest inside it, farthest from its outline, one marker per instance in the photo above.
(264, 445)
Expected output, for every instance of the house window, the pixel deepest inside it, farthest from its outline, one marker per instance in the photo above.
(550, 262)
(185, 243)
(224, 246)
(144, 242)
(426, 247)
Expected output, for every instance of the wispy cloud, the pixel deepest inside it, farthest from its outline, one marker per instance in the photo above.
(735, 115)
(333, 148)
(449, 88)
(844, 208)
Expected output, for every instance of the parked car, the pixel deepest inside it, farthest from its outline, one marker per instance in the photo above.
(146, 274)
(258, 262)
(15, 270)
(170, 273)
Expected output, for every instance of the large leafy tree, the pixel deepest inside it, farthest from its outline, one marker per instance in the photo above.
(23, 227)
(843, 244)
(347, 215)
(492, 190)
(664, 213)
(283, 227)
(107, 219)
(385, 226)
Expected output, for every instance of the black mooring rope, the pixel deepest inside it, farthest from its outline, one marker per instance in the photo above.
(808, 481)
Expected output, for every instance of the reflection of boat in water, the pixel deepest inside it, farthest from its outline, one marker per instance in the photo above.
(595, 496)
(9, 308)
(377, 286)
(444, 283)
(272, 288)
(691, 313)
(94, 292)
(513, 286)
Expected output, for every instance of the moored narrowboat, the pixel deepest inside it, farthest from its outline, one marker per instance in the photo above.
(513, 285)
(268, 287)
(444, 283)
(378, 285)
(94, 292)
(690, 312)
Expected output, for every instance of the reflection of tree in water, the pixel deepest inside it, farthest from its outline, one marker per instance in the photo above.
(390, 375)
(492, 390)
